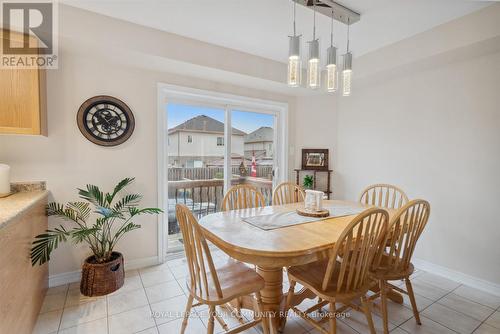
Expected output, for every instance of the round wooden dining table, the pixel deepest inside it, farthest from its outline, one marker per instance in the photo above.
(272, 250)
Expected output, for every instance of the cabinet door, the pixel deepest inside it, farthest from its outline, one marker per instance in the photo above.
(22, 101)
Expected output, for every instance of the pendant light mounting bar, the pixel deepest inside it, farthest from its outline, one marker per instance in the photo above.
(340, 13)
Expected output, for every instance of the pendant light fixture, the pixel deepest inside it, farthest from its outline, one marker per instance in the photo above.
(331, 64)
(313, 70)
(294, 61)
(347, 71)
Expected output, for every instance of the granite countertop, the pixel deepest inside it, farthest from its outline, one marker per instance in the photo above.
(23, 199)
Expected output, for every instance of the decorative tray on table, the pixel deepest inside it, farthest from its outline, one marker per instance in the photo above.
(313, 213)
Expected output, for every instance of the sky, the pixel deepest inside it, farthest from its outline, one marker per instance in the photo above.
(242, 120)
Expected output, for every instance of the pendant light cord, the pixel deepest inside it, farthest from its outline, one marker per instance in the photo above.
(348, 25)
(331, 31)
(294, 5)
(314, 20)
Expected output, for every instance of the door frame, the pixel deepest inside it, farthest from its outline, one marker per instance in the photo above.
(167, 93)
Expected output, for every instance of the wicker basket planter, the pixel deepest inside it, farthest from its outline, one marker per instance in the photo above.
(100, 279)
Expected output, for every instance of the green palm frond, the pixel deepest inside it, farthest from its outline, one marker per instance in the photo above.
(81, 234)
(130, 200)
(45, 243)
(135, 211)
(93, 194)
(81, 208)
(120, 186)
(56, 209)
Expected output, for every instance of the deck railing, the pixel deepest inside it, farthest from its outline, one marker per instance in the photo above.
(205, 196)
(207, 173)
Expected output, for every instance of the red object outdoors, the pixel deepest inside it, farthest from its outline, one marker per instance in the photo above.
(253, 170)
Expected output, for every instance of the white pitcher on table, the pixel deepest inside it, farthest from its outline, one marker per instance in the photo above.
(314, 200)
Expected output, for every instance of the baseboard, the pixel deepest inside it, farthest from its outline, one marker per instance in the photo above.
(458, 276)
(75, 276)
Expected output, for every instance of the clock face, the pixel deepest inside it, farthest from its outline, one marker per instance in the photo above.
(105, 120)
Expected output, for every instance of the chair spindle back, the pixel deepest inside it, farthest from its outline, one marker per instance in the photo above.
(288, 192)
(384, 196)
(242, 196)
(198, 255)
(358, 246)
(405, 229)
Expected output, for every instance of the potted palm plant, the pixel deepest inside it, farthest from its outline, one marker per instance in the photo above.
(102, 272)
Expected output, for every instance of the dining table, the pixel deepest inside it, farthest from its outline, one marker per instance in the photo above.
(272, 250)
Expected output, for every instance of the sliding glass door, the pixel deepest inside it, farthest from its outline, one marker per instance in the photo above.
(212, 147)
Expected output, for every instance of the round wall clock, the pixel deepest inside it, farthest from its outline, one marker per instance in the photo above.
(105, 120)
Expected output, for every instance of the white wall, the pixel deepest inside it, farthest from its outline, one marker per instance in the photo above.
(436, 134)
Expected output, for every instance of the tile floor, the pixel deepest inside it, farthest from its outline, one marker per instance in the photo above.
(446, 307)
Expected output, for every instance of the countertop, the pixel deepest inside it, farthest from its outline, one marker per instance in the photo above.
(17, 204)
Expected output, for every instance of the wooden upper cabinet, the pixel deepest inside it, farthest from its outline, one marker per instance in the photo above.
(22, 98)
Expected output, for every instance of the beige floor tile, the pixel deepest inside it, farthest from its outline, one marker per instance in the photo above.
(74, 285)
(53, 302)
(358, 321)
(156, 277)
(487, 329)
(86, 312)
(230, 320)
(466, 306)
(163, 291)
(478, 296)
(398, 331)
(131, 321)
(397, 313)
(428, 291)
(130, 284)
(126, 301)
(57, 289)
(152, 330)
(48, 322)
(170, 309)
(439, 281)
(158, 267)
(177, 262)
(93, 327)
(494, 320)
(74, 297)
(452, 319)
(422, 302)
(294, 325)
(342, 328)
(428, 327)
(195, 326)
(180, 272)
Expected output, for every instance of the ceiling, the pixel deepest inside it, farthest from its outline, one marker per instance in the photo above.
(261, 27)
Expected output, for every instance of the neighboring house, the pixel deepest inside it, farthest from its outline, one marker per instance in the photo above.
(260, 142)
(200, 140)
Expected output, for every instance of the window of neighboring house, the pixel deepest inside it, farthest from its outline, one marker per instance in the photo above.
(190, 139)
(220, 141)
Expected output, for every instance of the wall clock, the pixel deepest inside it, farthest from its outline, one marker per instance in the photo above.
(105, 120)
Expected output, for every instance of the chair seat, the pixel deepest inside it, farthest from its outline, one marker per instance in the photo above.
(311, 276)
(236, 279)
(387, 272)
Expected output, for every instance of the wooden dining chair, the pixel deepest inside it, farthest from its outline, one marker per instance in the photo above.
(242, 196)
(216, 286)
(384, 196)
(343, 280)
(394, 263)
(288, 192)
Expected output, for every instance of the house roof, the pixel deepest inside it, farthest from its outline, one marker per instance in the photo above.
(204, 123)
(262, 134)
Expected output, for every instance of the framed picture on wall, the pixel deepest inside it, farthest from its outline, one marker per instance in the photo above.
(315, 159)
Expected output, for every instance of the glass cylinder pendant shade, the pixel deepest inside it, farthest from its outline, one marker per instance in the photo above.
(331, 68)
(294, 62)
(347, 75)
(313, 70)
